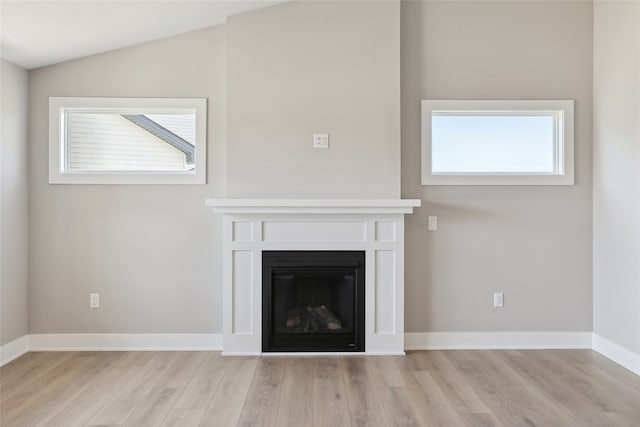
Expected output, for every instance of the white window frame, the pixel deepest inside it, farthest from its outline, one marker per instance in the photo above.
(564, 146)
(59, 172)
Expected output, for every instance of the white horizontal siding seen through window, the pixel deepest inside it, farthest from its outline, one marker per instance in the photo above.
(111, 142)
(127, 140)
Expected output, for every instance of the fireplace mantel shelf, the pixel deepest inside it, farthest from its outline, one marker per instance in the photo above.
(292, 206)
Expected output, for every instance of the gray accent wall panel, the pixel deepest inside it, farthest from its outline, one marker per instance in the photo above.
(534, 243)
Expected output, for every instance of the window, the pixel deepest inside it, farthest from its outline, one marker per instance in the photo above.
(127, 141)
(497, 142)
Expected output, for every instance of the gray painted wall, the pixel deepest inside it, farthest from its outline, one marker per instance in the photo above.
(14, 94)
(616, 179)
(314, 67)
(532, 243)
(151, 251)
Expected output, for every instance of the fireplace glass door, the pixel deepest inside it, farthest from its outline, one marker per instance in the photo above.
(313, 301)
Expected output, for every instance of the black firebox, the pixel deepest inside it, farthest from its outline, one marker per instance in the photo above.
(313, 301)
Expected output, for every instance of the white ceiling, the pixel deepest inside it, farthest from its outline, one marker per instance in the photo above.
(38, 33)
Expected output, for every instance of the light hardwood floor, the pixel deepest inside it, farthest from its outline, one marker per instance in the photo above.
(424, 388)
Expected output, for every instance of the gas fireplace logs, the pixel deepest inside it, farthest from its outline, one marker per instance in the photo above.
(305, 318)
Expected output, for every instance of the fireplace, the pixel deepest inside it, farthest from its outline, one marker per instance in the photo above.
(313, 301)
(254, 228)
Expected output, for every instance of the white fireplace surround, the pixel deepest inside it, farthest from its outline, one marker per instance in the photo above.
(373, 226)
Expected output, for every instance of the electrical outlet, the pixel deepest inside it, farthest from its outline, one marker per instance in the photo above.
(498, 299)
(94, 300)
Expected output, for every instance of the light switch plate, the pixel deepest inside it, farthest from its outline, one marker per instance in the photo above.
(498, 299)
(432, 223)
(320, 140)
(94, 300)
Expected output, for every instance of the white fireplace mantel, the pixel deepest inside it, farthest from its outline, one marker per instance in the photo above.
(317, 206)
(251, 226)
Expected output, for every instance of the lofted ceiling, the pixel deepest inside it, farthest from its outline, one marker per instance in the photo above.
(38, 33)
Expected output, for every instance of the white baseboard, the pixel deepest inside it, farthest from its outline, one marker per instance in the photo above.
(324, 354)
(125, 342)
(413, 341)
(496, 340)
(617, 353)
(13, 350)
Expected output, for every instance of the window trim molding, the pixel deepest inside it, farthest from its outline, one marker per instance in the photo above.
(564, 147)
(57, 148)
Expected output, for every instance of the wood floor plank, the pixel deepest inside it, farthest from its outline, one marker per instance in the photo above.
(606, 392)
(572, 356)
(436, 408)
(616, 385)
(622, 419)
(182, 369)
(154, 409)
(434, 388)
(463, 398)
(399, 402)
(365, 406)
(159, 401)
(603, 397)
(508, 395)
(558, 387)
(32, 374)
(330, 404)
(261, 405)
(18, 366)
(479, 420)
(30, 408)
(134, 393)
(200, 390)
(100, 390)
(296, 403)
(103, 363)
(227, 402)
(616, 371)
(183, 417)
